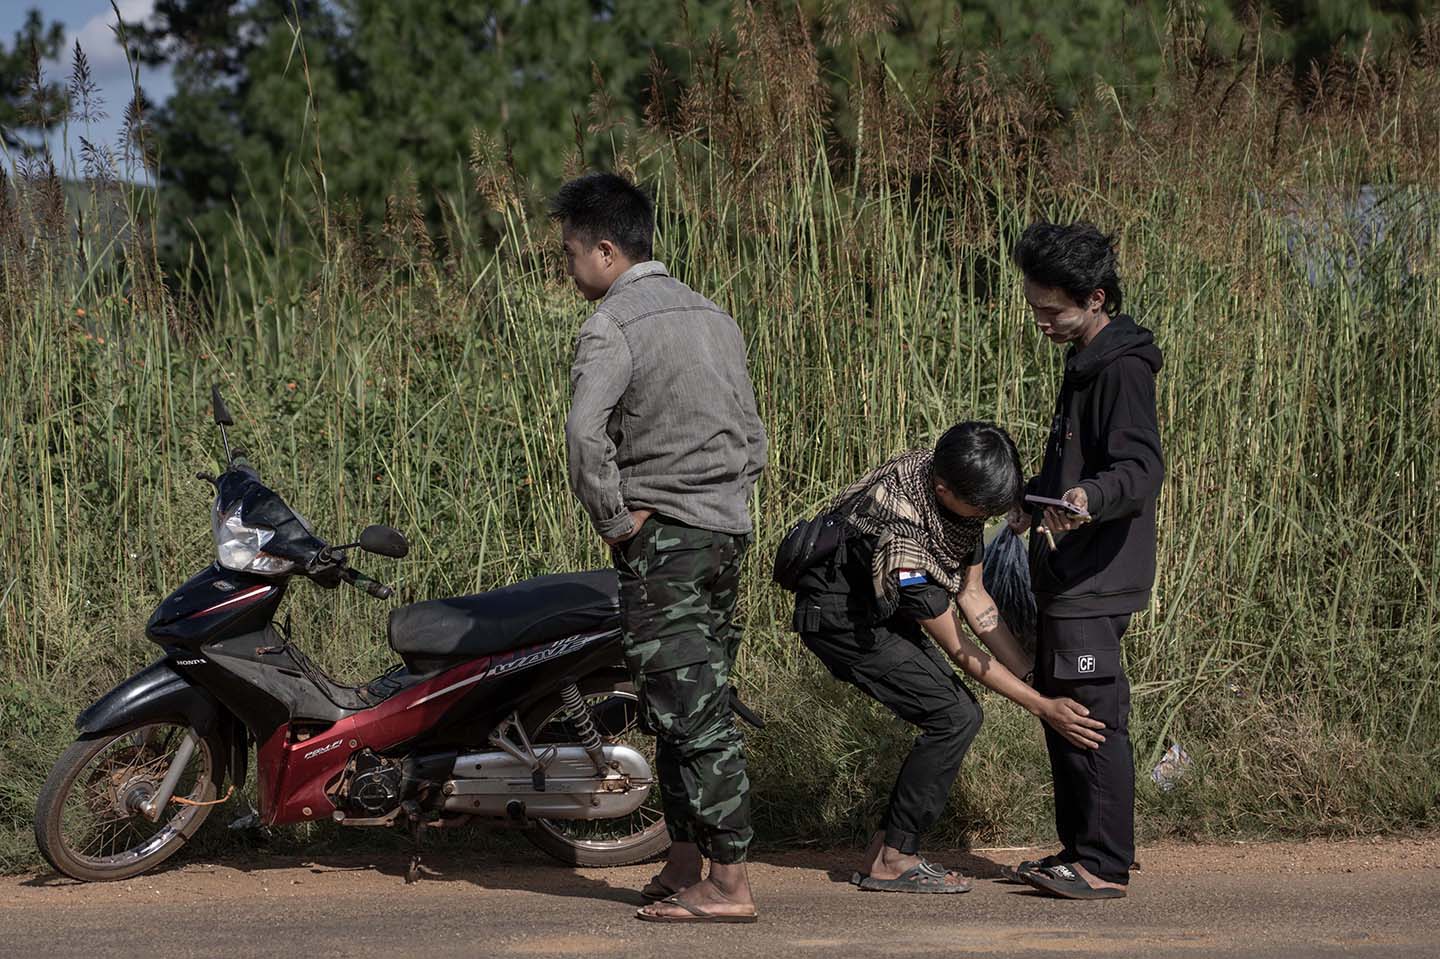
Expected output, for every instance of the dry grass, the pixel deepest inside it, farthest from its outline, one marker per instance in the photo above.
(416, 373)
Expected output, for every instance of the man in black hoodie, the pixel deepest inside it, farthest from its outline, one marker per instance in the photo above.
(1094, 565)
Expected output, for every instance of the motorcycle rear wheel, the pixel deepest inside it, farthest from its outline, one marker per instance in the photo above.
(87, 824)
(638, 837)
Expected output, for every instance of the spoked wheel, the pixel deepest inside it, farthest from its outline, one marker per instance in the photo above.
(89, 822)
(638, 837)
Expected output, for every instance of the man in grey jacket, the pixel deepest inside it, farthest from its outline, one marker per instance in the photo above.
(664, 446)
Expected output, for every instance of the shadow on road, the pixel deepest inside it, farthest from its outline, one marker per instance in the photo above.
(492, 872)
(510, 867)
(840, 864)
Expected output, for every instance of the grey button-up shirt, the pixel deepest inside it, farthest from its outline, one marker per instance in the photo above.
(662, 415)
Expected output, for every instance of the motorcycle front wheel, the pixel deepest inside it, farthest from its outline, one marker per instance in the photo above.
(638, 837)
(88, 822)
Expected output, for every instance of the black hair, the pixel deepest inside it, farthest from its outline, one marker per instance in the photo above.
(603, 206)
(980, 464)
(1078, 259)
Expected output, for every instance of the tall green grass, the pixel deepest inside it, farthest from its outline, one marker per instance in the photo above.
(1292, 647)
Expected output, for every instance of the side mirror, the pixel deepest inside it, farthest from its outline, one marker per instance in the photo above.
(384, 541)
(217, 405)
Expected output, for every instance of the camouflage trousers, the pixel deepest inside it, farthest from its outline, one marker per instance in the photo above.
(678, 590)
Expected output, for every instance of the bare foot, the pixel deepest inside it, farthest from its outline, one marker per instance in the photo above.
(683, 868)
(1092, 880)
(872, 850)
(725, 892)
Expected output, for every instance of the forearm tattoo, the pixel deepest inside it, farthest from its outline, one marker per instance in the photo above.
(987, 619)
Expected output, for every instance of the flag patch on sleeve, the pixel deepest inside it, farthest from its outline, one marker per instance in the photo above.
(912, 577)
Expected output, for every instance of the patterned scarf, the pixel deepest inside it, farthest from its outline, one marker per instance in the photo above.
(895, 503)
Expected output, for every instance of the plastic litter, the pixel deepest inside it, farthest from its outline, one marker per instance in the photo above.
(1171, 768)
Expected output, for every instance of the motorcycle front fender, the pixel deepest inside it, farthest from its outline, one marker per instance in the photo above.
(155, 693)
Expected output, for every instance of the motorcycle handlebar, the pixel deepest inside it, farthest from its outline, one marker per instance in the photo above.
(362, 582)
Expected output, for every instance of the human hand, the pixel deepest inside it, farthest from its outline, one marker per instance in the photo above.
(1018, 520)
(1060, 521)
(637, 520)
(1071, 720)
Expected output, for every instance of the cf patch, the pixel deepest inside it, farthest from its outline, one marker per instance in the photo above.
(1085, 664)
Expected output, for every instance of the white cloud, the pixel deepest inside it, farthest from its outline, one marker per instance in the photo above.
(97, 38)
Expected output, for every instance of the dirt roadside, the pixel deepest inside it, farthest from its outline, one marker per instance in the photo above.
(1370, 898)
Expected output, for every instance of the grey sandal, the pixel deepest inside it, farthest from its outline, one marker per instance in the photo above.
(926, 878)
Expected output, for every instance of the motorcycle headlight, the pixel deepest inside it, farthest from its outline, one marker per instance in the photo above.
(240, 547)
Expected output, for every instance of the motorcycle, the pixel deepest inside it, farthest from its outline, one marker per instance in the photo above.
(511, 706)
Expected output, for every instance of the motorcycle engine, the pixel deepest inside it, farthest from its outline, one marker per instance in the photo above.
(371, 785)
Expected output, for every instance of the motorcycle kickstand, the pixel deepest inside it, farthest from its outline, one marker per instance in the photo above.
(417, 836)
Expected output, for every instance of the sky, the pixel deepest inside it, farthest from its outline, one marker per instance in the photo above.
(90, 21)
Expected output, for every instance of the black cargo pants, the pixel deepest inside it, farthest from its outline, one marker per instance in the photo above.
(897, 664)
(1094, 788)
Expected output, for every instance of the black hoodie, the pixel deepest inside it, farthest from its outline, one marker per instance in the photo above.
(1105, 439)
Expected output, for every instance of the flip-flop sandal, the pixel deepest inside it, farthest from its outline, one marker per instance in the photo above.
(926, 878)
(696, 914)
(655, 890)
(1062, 882)
(1011, 874)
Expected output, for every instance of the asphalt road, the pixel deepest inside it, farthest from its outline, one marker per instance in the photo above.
(1315, 899)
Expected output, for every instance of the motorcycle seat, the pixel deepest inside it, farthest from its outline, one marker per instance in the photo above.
(526, 613)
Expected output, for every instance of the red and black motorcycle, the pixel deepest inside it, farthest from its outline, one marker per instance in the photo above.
(512, 706)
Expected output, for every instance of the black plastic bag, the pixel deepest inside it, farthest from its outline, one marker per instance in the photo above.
(1007, 579)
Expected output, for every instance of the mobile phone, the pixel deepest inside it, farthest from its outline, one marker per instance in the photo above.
(1061, 504)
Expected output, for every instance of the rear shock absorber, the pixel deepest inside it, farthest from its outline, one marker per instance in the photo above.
(585, 731)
